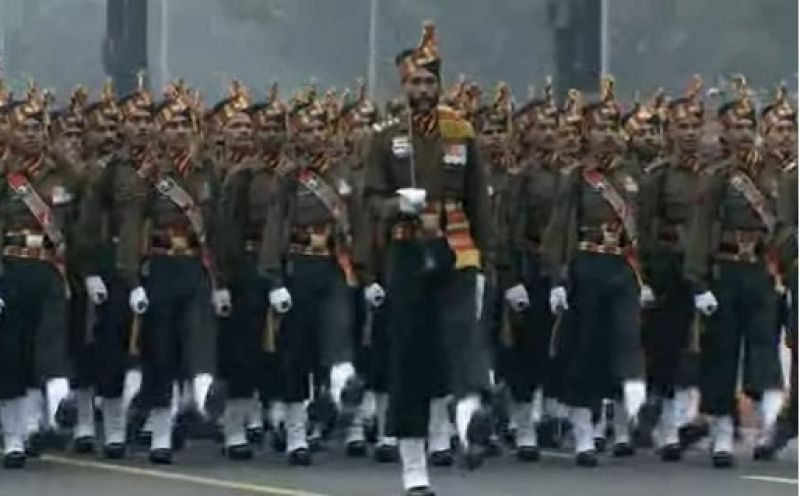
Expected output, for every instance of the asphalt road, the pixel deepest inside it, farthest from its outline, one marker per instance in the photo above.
(200, 471)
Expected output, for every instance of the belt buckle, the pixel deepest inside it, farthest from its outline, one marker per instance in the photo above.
(318, 242)
(746, 245)
(34, 240)
(611, 237)
(179, 243)
(430, 223)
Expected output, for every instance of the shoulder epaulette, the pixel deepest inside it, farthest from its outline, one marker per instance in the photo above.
(452, 125)
(285, 167)
(791, 167)
(715, 168)
(385, 124)
(569, 168)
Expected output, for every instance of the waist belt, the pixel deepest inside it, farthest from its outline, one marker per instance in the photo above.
(29, 253)
(313, 240)
(591, 247)
(27, 239)
(172, 243)
(741, 246)
(607, 238)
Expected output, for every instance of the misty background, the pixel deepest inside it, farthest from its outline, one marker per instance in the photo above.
(652, 43)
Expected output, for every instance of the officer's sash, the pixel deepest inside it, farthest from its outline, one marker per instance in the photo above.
(38, 208)
(618, 204)
(744, 186)
(44, 216)
(338, 210)
(171, 190)
(623, 211)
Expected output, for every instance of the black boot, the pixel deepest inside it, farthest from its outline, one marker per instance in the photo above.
(442, 458)
(528, 453)
(83, 445)
(386, 453)
(33, 447)
(622, 450)
(15, 459)
(722, 459)
(356, 449)
(420, 491)
(301, 457)
(114, 451)
(586, 459)
(764, 453)
(692, 433)
(671, 452)
(239, 452)
(161, 456)
(255, 436)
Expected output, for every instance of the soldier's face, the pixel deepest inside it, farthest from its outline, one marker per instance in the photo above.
(177, 131)
(568, 139)
(646, 139)
(104, 135)
(543, 133)
(782, 137)
(29, 136)
(238, 131)
(138, 127)
(72, 138)
(493, 139)
(603, 136)
(312, 136)
(422, 89)
(686, 134)
(271, 135)
(739, 134)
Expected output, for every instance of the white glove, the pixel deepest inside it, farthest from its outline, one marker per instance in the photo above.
(221, 300)
(558, 299)
(517, 298)
(646, 296)
(706, 303)
(138, 301)
(2, 305)
(412, 200)
(96, 289)
(375, 295)
(280, 299)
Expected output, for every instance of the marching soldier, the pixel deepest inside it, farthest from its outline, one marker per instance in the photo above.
(166, 199)
(591, 245)
(90, 291)
(730, 262)
(669, 191)
(526, 336)
(779, 122)
(39, 199)
(427, 186)
(242, 209)
(309, 226)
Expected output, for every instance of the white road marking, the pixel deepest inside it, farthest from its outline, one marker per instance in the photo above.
(177, 477)
(765, 478)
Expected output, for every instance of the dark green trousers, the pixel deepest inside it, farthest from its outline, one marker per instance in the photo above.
(742, 327)
(33, 326)
(666, 327)
(317, 333)
(601, 345)
(437, 346)
(179, 329)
